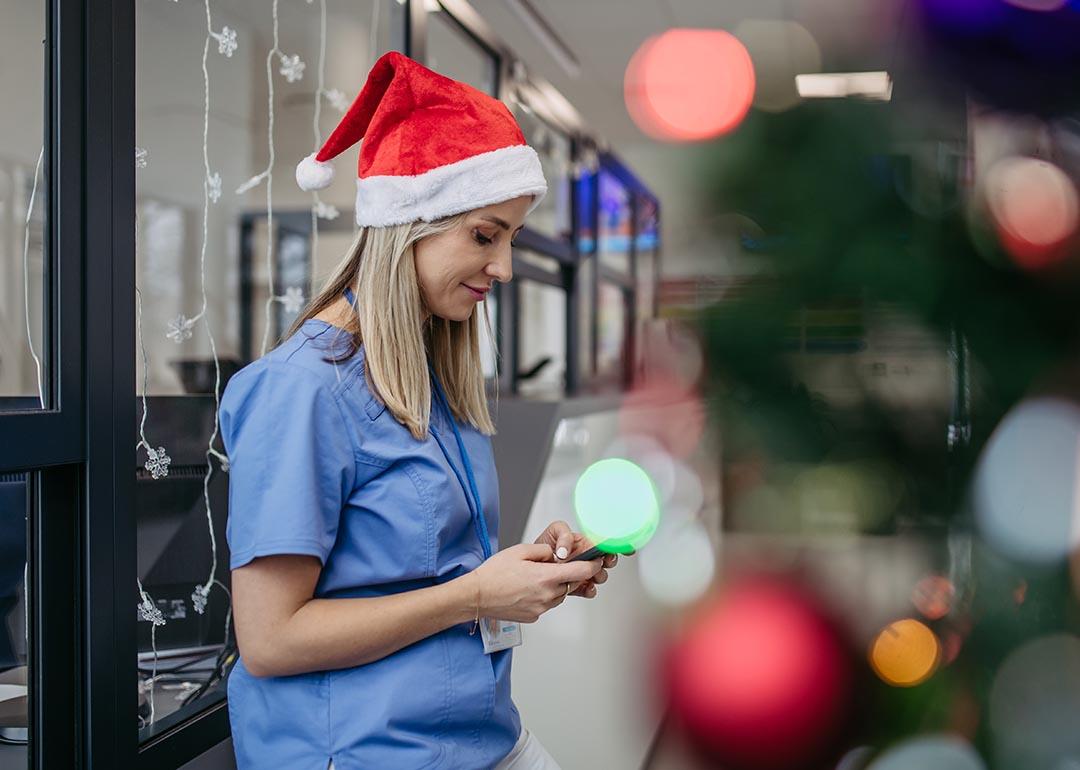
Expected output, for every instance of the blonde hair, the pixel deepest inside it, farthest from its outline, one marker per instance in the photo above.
(389, 322)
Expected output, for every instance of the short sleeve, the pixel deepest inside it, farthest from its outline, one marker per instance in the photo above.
(291, 462)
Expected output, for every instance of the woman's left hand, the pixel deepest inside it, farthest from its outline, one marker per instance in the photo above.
(566, 543)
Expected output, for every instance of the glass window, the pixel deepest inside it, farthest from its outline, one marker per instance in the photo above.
(488, 335)
(14, 675)
(452, 52)
(611, 332)
(586, 200)
(646, 245)
(542, 359)
(548, 264)
(552, 216)
(23, 203)
(616, 227)
(586, 311)
(228, 251)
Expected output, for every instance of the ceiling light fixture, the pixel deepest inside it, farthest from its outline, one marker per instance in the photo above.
(837, 85)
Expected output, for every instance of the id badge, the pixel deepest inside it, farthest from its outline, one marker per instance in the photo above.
(499, 634)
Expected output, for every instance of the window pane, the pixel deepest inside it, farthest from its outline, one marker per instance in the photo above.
(615, 224)
(228, 252)
(23, 198)
(586, 312)
(451, 52)
(14, 660)
(543, 338)
(611, 332)
(552, 216)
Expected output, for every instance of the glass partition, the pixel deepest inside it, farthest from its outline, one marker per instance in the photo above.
(14, 657)
(542, 358)
(616, 223)
(552, 216)
(228, 251)
(24, 354)
(454, 53)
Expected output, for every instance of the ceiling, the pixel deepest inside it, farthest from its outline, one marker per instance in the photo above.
(603, 35)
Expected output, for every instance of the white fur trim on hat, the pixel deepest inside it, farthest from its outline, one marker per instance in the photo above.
(314, 174)
(481, 180)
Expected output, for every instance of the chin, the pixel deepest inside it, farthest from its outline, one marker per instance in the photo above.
(455, 314)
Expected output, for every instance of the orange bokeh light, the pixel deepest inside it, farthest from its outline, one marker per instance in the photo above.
(905, 653)
(689, 84)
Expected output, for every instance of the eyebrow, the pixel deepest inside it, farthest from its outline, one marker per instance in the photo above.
(500, 222)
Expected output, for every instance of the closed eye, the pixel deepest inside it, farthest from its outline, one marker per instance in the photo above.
(482, 239)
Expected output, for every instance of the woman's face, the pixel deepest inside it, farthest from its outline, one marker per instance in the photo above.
(456, 269)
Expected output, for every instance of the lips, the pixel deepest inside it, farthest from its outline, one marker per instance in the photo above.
(478, 294)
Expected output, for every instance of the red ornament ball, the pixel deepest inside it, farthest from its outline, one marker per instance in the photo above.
(761, 680)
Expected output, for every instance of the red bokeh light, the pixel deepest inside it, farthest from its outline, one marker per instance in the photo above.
(666, 410)
(1035, 208)
(689, 84)
(933, 596)
(761, 680)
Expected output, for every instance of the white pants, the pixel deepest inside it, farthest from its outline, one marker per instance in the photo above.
(527, 754)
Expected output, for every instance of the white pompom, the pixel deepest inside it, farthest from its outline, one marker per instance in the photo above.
(313, 174)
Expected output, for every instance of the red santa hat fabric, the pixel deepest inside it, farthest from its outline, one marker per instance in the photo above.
(432, 147)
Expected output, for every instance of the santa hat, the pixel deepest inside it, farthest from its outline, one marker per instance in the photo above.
(431, 147)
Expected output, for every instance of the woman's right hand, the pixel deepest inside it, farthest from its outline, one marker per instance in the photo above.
(523, 582)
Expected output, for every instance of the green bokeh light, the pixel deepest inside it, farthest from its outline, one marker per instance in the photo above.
(617, 505)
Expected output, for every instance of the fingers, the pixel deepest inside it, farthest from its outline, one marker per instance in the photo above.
(586, 590)
(610, 560)
(536, 551)
(575, 571)
(563, 537)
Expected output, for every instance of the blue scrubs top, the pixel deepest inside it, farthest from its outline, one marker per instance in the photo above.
(319, 466)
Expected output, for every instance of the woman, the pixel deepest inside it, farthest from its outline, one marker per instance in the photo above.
(363, 522)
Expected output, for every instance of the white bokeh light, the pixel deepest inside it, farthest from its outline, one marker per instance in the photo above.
(678, 565)
(930, 752)
(1025, 483)
(1034, 702)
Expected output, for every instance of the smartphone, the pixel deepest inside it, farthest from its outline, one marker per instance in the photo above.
(593, 553)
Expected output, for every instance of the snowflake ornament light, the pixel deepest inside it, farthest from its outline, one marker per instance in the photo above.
(337, 99)
(292, 67)
(226, 41)
(293, 299)
(213, 187)
(180, 328)
(140, 157)
(157, 464)
(149, 611)
(326, 211)
(200, 596)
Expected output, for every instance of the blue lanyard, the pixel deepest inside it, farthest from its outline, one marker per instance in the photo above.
(477, 511)
(476, 507)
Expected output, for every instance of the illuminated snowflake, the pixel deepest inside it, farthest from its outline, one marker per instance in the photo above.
(199, 597)
(337, 99)
(293, 299)
(326, 211)
(157, 464)
(149, 612)
(180, 329)
(292, 68)
(226, 41)
(213, 186)
(140, 157)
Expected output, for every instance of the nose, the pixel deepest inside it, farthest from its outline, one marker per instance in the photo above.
(501, 267)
